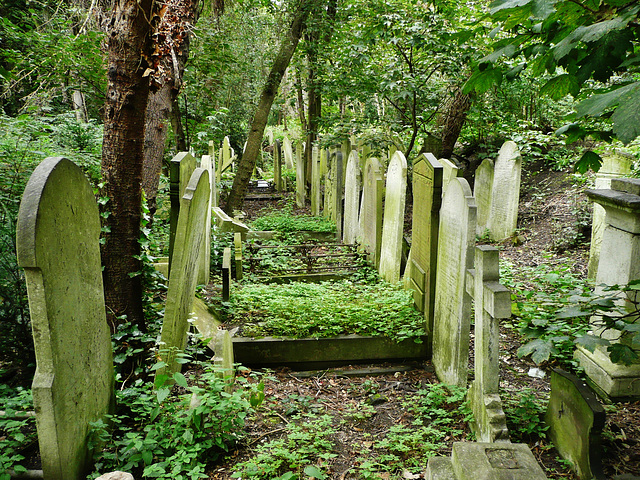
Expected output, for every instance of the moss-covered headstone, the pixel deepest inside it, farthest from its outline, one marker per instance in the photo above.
(371, 210)
(352, 186)
(57, 242)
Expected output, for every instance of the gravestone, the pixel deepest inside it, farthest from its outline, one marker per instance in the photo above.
(505, 194)
(491, 302)
(352, 187)
(300, 178)
(183, 274)
(329, 204)
(449, 171)
(482, 188)
(204, 261)
(228, 156)
(614, 165)
(277, 165)
(316, 184)
(180, 170)
(494, 461)
(456, 239)
(393, 220)
(427, 199)
(223, 358)
(576, 418)
(287, 150)
(226, 274)
(619, 264)
(237, 255)
(57, 245)
(371, 209)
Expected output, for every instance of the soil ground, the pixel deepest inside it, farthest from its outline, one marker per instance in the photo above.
(553, 229)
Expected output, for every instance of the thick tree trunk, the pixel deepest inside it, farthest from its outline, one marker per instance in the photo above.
(176, 124)
(256, 130)
(129, 43)
(454, 121)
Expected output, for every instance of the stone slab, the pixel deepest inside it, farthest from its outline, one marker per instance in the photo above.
(610, 379)
(440, 468)
(205, 320)
(57, 245)
(575, 418)
(494, 461)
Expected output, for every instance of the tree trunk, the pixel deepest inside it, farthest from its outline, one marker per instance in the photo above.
(129, 44)
(454, 121)
(256, 130)
(176, 124)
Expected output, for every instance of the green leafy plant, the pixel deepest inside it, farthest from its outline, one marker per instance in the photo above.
(17, 429)
(285, 221)
(525, 416)
(291, 310)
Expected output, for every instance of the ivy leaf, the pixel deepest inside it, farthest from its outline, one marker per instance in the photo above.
(314, 472)
(539, 349)
(623, 354)
(590, 342)
(162, 394)
(560, 86)
(589, 160)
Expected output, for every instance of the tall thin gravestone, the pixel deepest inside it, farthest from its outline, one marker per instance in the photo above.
(505, 194)
(452, 303)
(338, 192)
(352, 186)
(316, 184)
(277, 165)
(205, 252)
(491, 302)
(181, 168)
(287, 150)
(393, 220)
(371, 209)
(183, 275)
(57, 245)
(482, 189)
(300, 178)
(449, 171)
(427, 199)
(215, 197)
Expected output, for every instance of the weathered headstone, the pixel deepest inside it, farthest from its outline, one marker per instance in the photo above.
(237, 255)
(228, 155)
(482, 188)
(505, 194)
(287, 150)
(449, 171)
(427, 199)
(57, 245)
(204, 261)
(576, 418)
(300, 178)
(491, 302)
(393, 220)
(614, 165)
(371, 210)
(352, 187)
(223, 358)
(277, 165)
(316, 181)
(619, 264)
(452, 303)
(183, 274)
(181, 168)
(494, 461)
(226, 274)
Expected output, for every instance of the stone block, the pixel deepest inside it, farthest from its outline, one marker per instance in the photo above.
(494, 461)
(440, 468)
(610, 379)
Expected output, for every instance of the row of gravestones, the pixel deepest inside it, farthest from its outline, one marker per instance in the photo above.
(58, 246)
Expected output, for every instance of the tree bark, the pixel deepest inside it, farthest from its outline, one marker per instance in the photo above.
(129, 45)
(454, 121)
(256, 130)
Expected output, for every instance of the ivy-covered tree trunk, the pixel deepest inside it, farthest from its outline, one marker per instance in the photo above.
(256, 130)
(129, 44)
(454, 121)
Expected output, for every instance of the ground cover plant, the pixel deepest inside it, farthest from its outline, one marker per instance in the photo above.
(285, 221)
(293, 310)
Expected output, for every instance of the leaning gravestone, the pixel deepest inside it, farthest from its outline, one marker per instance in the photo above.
(277, 165)
(183, 274)
(491, 302)
(204, 261)
(182, 166)
(393, 220)
(57, 245)
(371, 209)
(505, 194)
(427, 198)
(352, 186)
(482, 188)
(452, 303)
(576, 418)
(287, 151)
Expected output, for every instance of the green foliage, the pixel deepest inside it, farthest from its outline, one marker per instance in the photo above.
(291, 310)
(285, 221)
(160, 434)
(525, 416)
(17, 431)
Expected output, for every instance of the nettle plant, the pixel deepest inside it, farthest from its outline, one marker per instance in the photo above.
(556, 311)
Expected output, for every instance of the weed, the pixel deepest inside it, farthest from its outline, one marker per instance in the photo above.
(525, 416)
(17, 431)
(285, 221)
